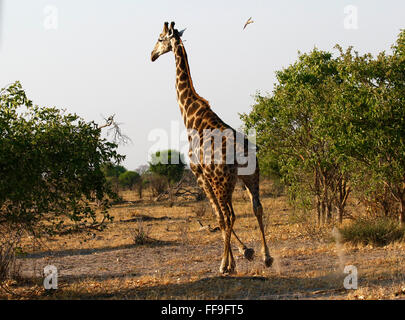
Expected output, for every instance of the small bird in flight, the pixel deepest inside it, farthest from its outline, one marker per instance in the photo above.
(248, 22)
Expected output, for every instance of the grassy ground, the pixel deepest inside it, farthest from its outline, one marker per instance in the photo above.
(174, 258)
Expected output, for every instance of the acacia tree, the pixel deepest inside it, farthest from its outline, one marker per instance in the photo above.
(333, 124)
(113, 170)
(112, 173)
(368, 123)
(131, 180)
(290, 133)
(169, 164)
(51, 167)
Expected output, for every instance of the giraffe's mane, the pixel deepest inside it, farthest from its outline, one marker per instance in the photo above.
(189, 76)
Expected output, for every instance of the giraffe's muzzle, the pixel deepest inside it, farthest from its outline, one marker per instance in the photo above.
(154, 56)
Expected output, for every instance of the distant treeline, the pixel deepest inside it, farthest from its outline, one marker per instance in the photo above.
(155, 175)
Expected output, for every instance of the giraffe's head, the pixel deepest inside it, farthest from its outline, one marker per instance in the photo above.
(166, 40)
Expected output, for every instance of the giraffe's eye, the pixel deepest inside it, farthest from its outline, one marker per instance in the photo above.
(160, 40)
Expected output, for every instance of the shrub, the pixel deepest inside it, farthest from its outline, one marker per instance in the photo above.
(379, 231)
(129, 179)
(51, 167)
(168, 163)
(140, 233)
(9, 242)
(200, 210)
(157, 183)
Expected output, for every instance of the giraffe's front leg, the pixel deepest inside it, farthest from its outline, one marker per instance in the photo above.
(224, 263)
(232, 264)
(228, 265)
(228, 262)
(224, 268)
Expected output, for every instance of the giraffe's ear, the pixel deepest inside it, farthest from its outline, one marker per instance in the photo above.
(181, 32)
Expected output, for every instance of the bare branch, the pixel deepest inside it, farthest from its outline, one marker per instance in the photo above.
(114, 128)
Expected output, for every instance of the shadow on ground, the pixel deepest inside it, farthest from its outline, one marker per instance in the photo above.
(237, 287)
(81, 252)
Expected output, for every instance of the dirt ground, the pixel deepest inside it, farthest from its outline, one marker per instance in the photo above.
(180, 259)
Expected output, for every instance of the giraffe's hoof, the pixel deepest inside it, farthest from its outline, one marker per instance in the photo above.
(227, 270)
(268, 261)
(248, 253)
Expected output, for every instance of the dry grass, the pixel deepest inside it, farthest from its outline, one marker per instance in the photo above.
(376, 231)
(182, 259)
(9, 247)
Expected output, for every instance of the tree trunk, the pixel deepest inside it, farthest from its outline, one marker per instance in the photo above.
(140, 190)
(329, 207)
(340, 214)
(326, 204)
(399, 195)
(323, 212)
(317, 190)
(402, 211)
(343, 193)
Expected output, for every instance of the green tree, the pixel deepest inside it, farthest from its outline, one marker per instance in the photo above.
(129, 179)
(156, 182)
(51, 166)
(370, 111)
(169, 164)
(289, 125)
(333, 124)
(112, 172)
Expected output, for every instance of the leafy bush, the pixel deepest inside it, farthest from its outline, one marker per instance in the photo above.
(51, 166)
(9, 243)
(168, 163)
(379, 231)
(112, 170)
(339, 123)
(129, 179)
(157, 183)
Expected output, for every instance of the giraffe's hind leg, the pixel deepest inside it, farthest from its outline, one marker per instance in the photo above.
(248, 253)
(252, 186)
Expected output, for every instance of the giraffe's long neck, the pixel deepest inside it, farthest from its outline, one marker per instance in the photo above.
(191, 104)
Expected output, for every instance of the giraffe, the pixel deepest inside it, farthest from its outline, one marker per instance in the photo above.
(216, 178)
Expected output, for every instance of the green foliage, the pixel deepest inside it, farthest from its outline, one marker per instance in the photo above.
(113, 170)
(50, 166)
(335, 123)
(290, 129)
(368, 122)
(379, 232)
(156, 182)
(169, 164)
(129, 179)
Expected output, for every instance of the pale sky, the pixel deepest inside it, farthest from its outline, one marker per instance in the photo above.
(97, 60)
